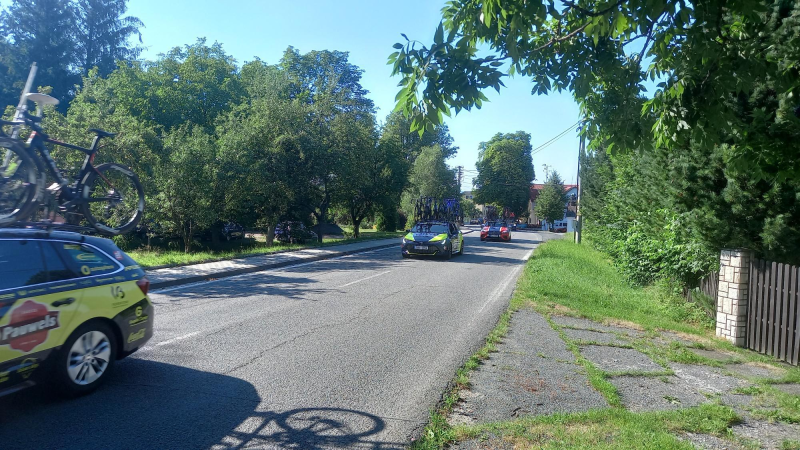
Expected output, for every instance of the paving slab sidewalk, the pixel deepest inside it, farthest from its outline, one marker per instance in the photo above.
(173, 276)
(532, 373)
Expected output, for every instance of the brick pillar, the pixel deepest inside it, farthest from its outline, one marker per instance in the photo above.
(734, 271)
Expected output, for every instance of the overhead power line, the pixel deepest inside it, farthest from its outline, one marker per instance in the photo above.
(554, 139)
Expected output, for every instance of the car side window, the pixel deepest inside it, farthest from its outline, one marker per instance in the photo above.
(86, 261)
(21, 264)
(54, 261)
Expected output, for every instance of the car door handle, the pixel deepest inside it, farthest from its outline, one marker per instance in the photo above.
(64, 301)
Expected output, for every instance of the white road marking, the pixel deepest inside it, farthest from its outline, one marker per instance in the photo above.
(279, 269)
(508, 280)
(170, 341)
(363, 279)
(496, 294)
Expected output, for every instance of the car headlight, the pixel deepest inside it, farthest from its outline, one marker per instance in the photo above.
(439, 237)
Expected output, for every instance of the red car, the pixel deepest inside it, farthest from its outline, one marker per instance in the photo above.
(497, 231)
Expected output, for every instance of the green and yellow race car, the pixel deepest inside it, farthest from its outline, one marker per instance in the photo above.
(70, 305)
(433, 239)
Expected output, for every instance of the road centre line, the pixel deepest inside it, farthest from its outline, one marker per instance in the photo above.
(363, 279)
(279, 269)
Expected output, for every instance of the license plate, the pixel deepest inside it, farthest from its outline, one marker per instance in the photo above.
(420, 247)
(494, 234)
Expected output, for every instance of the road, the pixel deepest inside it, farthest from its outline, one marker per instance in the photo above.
(345, 353)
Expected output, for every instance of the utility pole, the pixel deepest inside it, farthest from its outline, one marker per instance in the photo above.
(460, 174)
(579, 219)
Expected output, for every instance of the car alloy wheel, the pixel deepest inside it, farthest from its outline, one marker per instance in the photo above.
(89, 358)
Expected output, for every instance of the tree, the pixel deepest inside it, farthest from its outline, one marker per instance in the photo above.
(505, 171)
(703, 54)
(102, 34)
(430, 177)
(366, 180)
(41, 31)
(331, 88)
(552, 200)
(397, 131)
(184, 202)
(469, 209)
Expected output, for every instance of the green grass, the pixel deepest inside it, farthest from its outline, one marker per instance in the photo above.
(608, 428)
(585, 282)
(564, 278)
(237, 249)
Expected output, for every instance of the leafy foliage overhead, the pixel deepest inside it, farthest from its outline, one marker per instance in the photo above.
(702, 54)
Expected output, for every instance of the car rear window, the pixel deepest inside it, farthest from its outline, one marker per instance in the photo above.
(21, 264)
(86, 261)
(430, 228)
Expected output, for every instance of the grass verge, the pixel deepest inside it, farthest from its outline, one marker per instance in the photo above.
(609, 428)
(564, 278)
(238, 249)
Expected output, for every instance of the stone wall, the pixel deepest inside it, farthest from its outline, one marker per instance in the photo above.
(734, 270)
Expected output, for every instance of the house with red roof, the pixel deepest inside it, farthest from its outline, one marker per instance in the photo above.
(570, 208)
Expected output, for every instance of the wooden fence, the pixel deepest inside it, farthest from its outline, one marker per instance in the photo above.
(773, 319)
(708, 286)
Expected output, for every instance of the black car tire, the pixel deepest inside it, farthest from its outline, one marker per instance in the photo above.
(63, 382)
(448, 252)
(461, 249)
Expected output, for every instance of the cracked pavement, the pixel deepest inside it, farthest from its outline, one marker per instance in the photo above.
(350, 352)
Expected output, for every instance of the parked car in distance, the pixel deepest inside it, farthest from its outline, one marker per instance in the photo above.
(560, 226)
(70, 306)
(232, 230)
(294, 232)
(497, 231)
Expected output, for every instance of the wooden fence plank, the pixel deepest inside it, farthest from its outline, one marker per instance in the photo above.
(777, 288)
(784, 313)
(770, 306)
(759, 318)
(751, 304)
(796, 322)
(791, 353)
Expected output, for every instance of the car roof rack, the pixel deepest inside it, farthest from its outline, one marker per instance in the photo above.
(49, 226)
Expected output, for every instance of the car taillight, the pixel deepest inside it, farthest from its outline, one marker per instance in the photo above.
(144, 285)
(504, 230)
(485, 229)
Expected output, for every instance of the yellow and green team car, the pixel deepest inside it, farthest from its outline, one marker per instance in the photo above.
(70, 305)
(442, 239)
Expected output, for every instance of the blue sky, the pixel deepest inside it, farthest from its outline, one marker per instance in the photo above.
(367, 29)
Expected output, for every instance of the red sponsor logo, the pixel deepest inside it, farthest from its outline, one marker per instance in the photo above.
(28, 326)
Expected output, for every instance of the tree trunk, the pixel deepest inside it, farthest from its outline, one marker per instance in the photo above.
(270, 235)
(187, 237)
(216, 230)
(356, 227)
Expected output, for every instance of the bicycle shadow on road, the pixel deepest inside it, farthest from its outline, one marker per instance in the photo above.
(148, 404)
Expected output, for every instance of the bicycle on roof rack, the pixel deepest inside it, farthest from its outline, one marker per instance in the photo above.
(109, 196)
(427, 209)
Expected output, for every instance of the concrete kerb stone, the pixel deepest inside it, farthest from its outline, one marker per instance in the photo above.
(260, 267)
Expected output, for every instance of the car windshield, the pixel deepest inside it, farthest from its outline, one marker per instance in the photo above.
(437, 228)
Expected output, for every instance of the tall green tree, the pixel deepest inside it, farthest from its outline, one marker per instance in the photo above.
(184, 203)
(330, 86)
(505, 171)
(552, 201)
(41, 31)
(102, 34)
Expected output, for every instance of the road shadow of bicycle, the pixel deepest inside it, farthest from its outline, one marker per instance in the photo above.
(149, 404)
(308, 428)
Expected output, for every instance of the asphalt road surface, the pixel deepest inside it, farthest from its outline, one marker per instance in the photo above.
(345, 353)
